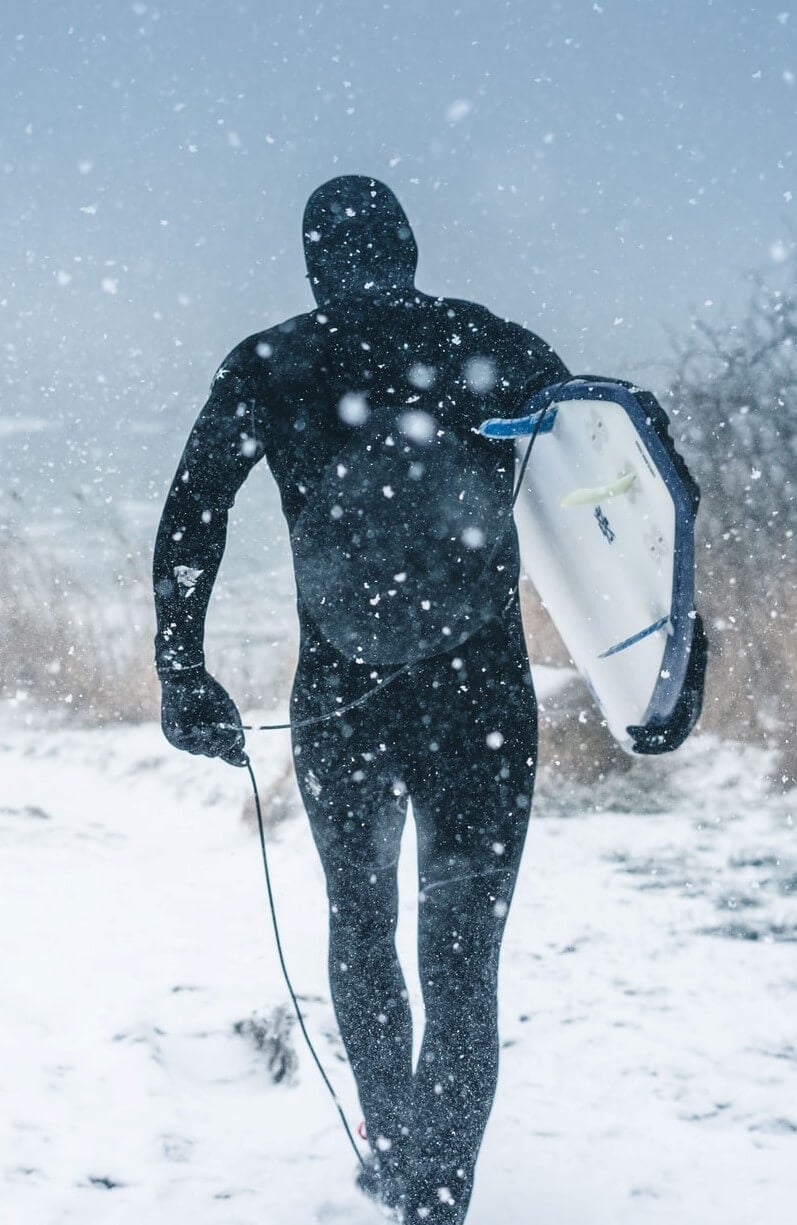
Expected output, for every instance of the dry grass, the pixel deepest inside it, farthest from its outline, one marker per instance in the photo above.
(278, 802)
(545, 645)
(575, 744)
(68, 651)
(751, 685)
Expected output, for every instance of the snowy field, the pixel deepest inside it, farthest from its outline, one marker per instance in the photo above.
(649, 999)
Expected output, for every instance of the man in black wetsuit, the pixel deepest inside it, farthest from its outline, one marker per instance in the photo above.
(366, 410)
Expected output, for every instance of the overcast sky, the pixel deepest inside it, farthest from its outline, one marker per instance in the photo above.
(598, 171)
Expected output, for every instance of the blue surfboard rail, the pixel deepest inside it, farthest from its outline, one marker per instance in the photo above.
(653, 426)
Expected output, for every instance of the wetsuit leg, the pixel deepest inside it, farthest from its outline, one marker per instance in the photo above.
(471, 791)
(357, 804)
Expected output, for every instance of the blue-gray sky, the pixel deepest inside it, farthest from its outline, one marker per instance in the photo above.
(597, 171)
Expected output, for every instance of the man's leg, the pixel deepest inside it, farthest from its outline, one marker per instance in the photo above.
(471, 796)
(357, 808)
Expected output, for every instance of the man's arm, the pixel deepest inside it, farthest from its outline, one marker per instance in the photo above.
(221, 451)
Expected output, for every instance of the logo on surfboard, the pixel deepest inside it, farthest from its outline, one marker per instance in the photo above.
(603, 524)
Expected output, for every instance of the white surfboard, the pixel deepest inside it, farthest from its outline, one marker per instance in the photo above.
(606, 525)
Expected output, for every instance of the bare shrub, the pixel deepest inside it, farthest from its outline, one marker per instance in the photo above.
(734, 399)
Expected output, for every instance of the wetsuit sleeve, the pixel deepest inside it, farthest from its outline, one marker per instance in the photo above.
(530, 364)
(221, 450)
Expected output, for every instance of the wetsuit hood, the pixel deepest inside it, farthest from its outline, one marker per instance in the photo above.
(358, 241)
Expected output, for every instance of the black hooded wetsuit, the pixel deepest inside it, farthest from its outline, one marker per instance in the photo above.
(366, 411)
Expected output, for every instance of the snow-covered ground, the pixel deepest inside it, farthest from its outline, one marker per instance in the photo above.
(649, 999)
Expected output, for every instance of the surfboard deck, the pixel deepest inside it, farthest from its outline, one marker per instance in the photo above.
(606, 521)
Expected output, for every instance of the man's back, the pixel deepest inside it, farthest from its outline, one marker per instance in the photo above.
(434, 364)
(367, 412)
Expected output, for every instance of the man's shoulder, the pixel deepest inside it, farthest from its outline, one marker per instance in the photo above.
(499, 329)
(464, 313)
(523, 359)
(255, 352)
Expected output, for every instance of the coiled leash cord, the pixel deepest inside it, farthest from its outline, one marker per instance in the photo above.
(333, 714)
